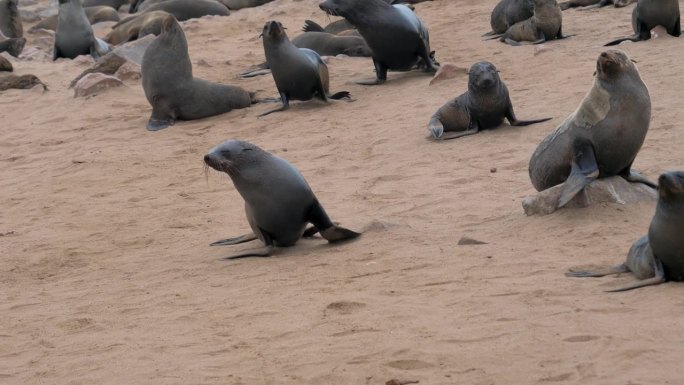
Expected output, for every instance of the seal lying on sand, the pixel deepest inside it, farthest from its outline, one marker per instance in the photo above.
(335, 28)
(397, 37)
(136, 27)
(13, 46)
(508, 12)
(172, 90)
(658, 256)
(649, 14)
(95, 15)
(278, 201)
(239, 4)
(594, 3)
(116, 4)
(74, 35)
(299, 73)
(190, 9)
(10, 20)
(484, 106)
(602, 137)
(545, 24)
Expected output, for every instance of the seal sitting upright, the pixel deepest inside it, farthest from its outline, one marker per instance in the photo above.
(397, 37)
(658, 256)
(649, 14)
(278, 201)
(74, 35)
(602, 137)
(299, 73)
(484, 106)
(172, 90)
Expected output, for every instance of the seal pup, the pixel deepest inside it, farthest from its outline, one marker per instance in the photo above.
(299, 73)
(278, 201)
(602, 137)
(508, 12)
(588, 4)
(10, 20)
(95, 15)
(137, 27)
(398, 38)
(74, 35)
(659, 256)
(172, 90)
(545, 24)
(484, 106)
(13, 46)
(649, 14)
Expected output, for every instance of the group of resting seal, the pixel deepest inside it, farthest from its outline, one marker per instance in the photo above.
(518, 22)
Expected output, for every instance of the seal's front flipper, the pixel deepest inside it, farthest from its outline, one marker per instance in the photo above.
(635, 177)
(619, 269)
(285, 106)
(236, 240)
(158, 124)
(333, 233)
(458, 134)
(656, 280)
(265, 251)
(436, 128)
(380, 76)
(584, 171)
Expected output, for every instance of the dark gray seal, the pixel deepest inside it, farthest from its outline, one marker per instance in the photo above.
(397, 37)
(544, 25)
(134, 28)
(116, 4)
(335, 28)
(74, 35)
(239, 4)
(172, 90)
(508, 12)
(587, 4)
(658, 256)
(649, 14)
(485, 106)
(10, 20)
(327, 44)
(190, 9)
(299, 73)
(278, 202)
(95, 15)
(602, 137)
(13, 46)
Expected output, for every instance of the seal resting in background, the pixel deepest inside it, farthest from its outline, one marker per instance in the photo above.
(484, 106)
(74, 35)
(95, 15)
(602, 137)
(397, 37)
(335, 28)
(13, 46)
(10, 20)
(649, 14)
(134, 28)
(658, 256)
(299, 73)
(172, 90)
(239, 4)
(587, 4)
(190, 9)
(544, 25)
(278, 201)
(508, 12)
(116, 4)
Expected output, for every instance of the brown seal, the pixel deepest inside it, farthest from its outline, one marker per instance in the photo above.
(508, 12)
(485, 106)
(587, 4)
(299, 73)
(336, 27)
(239, 4)
(9, 81)
(10, 20)
(327, 44)
(544, 25)
(278, 202)
(649, 14)
(184, 10)
(13, 46)
(95, 15)
(602, 137)
(136, 27)
(658, 256)
(74, 35)
(5, 65)
(116, 4)
(172, 90)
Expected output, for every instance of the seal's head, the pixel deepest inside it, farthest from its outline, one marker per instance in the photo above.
(231, 155)
(274, 31)
(351, 9)
(483, 75)
(671, 186)
(613, 63)
(170, 25)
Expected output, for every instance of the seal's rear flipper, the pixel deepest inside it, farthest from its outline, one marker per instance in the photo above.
(518, 123)
(658, 279)
(618, 41)
(635, 177)
(333, 233)
(340, 95)
(338, 233)
(235, 241)
(619, 269)
(312, 26)
(584, 171)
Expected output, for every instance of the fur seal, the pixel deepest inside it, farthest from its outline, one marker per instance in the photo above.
(239, 4)
(116, 4)
(335, 28)
(327, 44)
(95, 15)
(658, 256)
(22, 82)
(10, 20)
(508, 12)
(172, 90)
(136, 27)
(5, 65)
(190, 9)
(602, 137)
(587, 4)
(649, 14)
(74, 35)
(299, 73)
(13, 46)
(545, 24)
(484, 106)
(278, 201)
(398, 38)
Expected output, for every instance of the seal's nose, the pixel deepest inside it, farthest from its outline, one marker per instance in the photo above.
(207, 159)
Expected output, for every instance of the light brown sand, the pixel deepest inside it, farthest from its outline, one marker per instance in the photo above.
(106, 276)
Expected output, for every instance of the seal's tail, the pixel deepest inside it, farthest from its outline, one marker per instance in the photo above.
(340, 95)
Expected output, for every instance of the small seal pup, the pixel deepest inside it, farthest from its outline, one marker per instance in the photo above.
(544, 25)
(484, 106)
(10, 20)
(649, 14)
(136, 27)
(13, 46)
(74, 35)
(602, 137)
(397, 37)
(658, 256)
(278, 201)
(172, 90)
(299, 73)
(508, 12)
